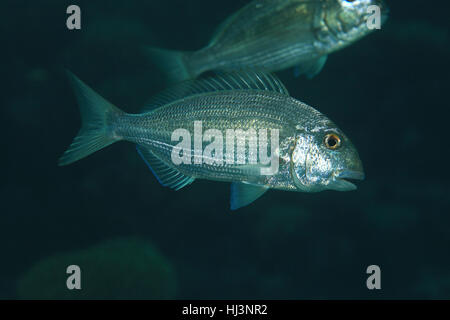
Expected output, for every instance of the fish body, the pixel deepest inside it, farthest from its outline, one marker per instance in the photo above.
(272, 35)
(239, 103)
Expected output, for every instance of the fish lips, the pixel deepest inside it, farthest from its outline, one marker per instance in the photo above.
(339, 182)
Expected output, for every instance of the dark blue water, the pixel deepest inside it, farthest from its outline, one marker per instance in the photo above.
(132, 238)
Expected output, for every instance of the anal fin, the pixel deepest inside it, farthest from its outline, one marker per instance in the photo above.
(166, 175)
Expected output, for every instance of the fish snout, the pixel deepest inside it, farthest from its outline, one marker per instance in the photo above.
(341, 177)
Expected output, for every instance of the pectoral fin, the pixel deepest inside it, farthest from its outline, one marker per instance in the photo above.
(310, 68)
(242, 194)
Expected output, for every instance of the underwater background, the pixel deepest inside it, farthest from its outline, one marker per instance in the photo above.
(136, 239)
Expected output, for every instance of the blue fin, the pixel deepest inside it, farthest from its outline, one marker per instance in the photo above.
(297, 71)
(310, 68)
(242, 194)
(166, 175)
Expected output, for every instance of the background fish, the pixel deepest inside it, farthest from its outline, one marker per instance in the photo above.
(313, 154)
(272, 35)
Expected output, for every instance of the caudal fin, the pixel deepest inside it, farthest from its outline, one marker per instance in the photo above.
(174, 64)
(97, 115)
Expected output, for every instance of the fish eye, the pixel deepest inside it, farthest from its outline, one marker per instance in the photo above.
(332, 141)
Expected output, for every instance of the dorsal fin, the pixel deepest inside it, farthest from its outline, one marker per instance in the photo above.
(167, 176)
(221, 81)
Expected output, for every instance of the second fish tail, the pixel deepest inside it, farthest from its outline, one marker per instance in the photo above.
(177, 65)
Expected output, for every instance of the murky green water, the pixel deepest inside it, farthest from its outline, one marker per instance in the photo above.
(133, 238)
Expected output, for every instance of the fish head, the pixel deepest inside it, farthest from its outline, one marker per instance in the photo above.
(323, 159)
(346, 20)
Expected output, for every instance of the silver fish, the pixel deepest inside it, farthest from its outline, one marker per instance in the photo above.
(272, 35)
(311, 153)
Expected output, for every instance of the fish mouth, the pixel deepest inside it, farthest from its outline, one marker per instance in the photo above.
(340, 182)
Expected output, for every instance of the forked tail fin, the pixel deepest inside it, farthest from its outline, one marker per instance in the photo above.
(97, 116)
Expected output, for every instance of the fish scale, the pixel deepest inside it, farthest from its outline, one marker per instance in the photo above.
(273, 35)
(301, 159)
(243, 109)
